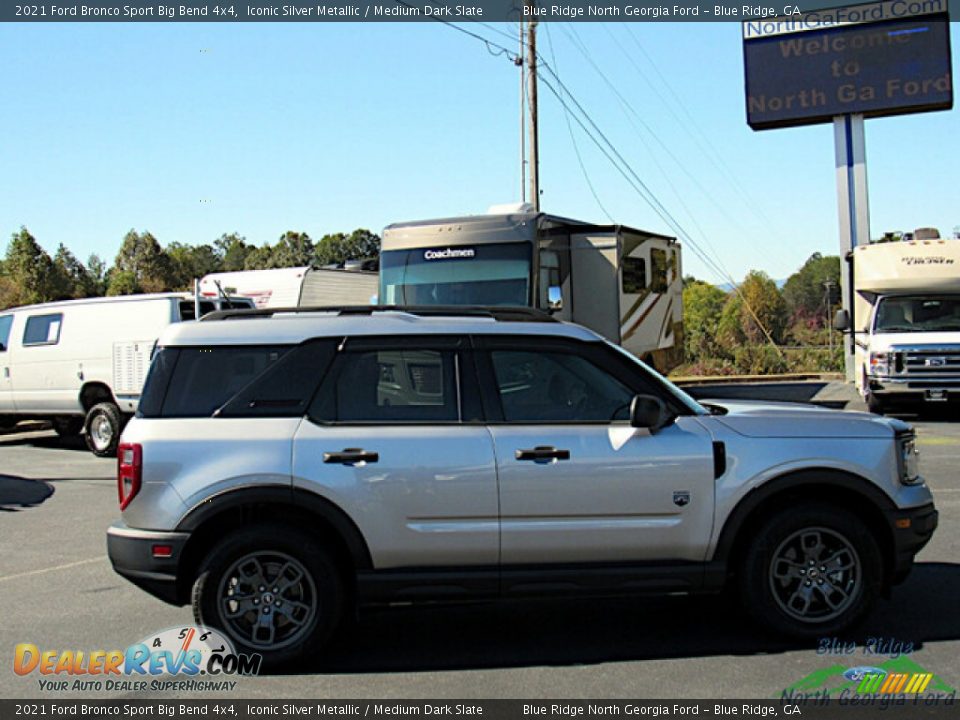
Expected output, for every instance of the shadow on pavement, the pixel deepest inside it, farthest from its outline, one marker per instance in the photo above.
(48, 441)
(17, 492)
(559, 633)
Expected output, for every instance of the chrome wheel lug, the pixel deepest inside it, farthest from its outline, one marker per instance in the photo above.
(277, 603)
(262, 588)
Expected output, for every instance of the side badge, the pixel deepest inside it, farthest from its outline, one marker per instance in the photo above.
(681, 497)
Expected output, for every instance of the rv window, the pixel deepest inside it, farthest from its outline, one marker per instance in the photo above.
(658, 268)
(390, 386)
(5, 322)
(205, 378)
(43, 330)
(634, 275)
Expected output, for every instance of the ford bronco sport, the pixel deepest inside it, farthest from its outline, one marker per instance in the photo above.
(286, 466)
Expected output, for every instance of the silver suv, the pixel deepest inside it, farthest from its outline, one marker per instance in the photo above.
(287, 466)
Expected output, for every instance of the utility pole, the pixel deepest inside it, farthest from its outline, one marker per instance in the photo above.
(532, 90)
(520, 62)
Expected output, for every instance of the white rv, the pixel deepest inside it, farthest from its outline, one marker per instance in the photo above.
(621, 282)
(294, 287)
(81, 364)
(906, 321)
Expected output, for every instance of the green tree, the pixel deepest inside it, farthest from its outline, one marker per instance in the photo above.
(702, 308)
(232, 250)
(188, 262)
(804, 291)
(71, 276)
(142, 258)
(259, 258)
(97, 269)
(337, 248)
(758, 303)
(294, 249)
(29, 268)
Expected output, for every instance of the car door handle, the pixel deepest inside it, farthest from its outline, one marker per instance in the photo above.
(542, 453)
(349, 456)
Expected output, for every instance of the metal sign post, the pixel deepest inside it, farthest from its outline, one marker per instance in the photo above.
(853, 210)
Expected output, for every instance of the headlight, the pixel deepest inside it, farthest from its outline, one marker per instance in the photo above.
(879, 363)
(909, 459)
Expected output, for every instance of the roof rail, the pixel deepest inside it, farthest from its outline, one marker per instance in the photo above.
(505, 313)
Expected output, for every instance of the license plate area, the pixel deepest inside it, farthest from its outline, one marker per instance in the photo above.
(935, 395)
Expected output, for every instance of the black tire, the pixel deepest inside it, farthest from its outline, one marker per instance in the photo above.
(68, 426)
(102, 428)
(227, 573)
(783, 590)
(876, 405)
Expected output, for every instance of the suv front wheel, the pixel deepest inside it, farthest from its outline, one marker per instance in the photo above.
(811, 570)
(272, 590)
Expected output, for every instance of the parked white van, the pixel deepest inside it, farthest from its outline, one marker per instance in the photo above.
(81, 364)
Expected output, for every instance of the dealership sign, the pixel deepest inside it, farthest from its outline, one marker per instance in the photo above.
(884, 58)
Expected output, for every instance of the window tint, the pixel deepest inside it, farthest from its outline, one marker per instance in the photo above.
(158, 379)
(403, 385)
(205, 378)
(634, 275)
(285, 389)
(557, 387)
(658, 267)
(42, 330)
(5, 322)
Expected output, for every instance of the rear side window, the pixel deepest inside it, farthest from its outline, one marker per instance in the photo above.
(255, 381)
(397, 385)
(5, 323)
(43, 329)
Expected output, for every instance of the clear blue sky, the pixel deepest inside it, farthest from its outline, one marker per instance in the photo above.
(193, 130)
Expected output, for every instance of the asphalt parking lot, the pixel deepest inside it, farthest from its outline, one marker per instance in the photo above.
(57, 590)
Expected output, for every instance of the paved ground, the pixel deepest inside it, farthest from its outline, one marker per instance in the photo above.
(57, 590)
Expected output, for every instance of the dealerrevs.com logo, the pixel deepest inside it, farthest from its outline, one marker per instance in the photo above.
(191, 658)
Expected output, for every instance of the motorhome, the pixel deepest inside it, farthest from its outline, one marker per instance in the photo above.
(906, 320)
(294, 287)
(623, 283)
(81, 364)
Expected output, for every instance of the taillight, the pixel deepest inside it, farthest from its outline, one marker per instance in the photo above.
(129, 472)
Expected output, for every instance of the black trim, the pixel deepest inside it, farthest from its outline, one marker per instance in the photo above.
(907, 542)
(131, 554)
(283, 496)
(488, 582)
(719, 459)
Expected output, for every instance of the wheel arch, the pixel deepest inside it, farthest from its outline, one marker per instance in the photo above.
(841, 489)
(296, 507)
(93, 393)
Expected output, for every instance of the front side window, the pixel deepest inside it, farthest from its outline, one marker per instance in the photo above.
(385, 386)
(926, 313)
(557, 387)
(43, 329)
(5, 323)
(496, 274)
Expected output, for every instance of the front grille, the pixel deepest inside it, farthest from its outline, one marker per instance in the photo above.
(932, 362)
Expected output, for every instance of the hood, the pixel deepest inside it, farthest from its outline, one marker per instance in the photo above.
(883, 341)
(794, 420)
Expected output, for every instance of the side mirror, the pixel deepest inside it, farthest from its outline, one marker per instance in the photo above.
(647, 411)
(841, 321)
(554, 298)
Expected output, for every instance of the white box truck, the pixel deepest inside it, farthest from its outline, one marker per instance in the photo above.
(623, 283)
(906, 321)
(294, 287)
(81, 364)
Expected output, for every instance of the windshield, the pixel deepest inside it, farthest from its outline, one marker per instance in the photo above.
(460, 275)
(918, 313)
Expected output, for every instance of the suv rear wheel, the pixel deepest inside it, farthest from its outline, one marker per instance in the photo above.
(811, 570)
(272, 590)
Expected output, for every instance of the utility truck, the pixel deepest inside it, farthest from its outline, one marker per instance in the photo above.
(294, 287)
(906, 320)
(620, 282)
(81, 364)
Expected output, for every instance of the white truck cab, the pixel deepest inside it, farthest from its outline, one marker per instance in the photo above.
(906, 320)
